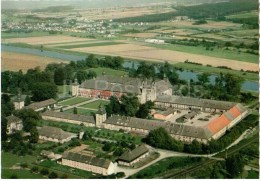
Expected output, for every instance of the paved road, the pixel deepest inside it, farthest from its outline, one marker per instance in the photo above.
(168, 153)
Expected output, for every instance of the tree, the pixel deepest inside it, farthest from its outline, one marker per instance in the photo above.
(235, 165)
(119, 151)
(27, 100)
(59, 76)
(44, 171)
(145, 71)
(75, 110)
(173, 77)
(34, 135)
(3, 128)
(44, 90)
(35, 169)
(53, 175)
(29, 118)
(130, 105)
(91, 61)
(203, 78)
(144, 109)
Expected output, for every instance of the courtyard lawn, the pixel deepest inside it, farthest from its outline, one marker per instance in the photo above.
(74, 101)
(108, 71)
(9, 159)
(95, 104)
(82, 111)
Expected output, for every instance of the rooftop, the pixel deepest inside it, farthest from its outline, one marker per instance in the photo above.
(13, 119)
(99, 162)
(129, 156)
(195, 102)
(55, 133)
(42, 104)
(70, 116)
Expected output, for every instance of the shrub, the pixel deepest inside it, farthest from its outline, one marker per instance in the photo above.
(44, 171)
(13, 176)
(34, 169)
(53, 175)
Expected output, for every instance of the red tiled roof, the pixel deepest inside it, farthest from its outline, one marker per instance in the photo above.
(218, 124)
(234, 111)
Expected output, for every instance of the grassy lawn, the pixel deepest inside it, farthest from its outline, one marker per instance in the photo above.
(166, 165)
(108, 71)
(252, 174)
(74, 101)
(215, 70)
(82, 111)
(89, 45)
(220, 53)
(21, 174)
(95, 104)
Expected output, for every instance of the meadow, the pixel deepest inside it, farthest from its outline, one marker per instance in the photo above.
(74, 101)
(95, 104)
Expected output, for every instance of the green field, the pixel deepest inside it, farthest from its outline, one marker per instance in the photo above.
(89, 45)
(219, 53)
(21, 174)
(82, 111)
(108, 71)
(5, 35)
(243, 15)
(74, 101)
(95, 104)
(8, 160)
(215, 70)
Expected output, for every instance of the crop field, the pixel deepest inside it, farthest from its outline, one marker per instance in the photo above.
(141, 35)
(81, 111)
(95, 104)
(42, 40)
(217, 52)
(74, 101)
(89, 45)
(211, 24)
(154, 54)
(22, 35)
(17, 61)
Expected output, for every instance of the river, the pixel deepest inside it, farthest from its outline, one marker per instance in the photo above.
(185, 75)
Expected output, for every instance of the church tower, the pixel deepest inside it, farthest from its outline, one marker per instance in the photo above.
(101, 116)
(75, 88)
(18, 102)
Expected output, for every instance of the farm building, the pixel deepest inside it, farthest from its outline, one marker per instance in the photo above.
(157, 41)
(53, 134)
(190, 103)
(43, 105)
(88, 163)
(50, 155)
(13, 124)
(186, 125)
(88, 121)
(129, 158)
(106, 86)
(18, 102)
(165, 115)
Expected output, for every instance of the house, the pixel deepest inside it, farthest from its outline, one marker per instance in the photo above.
(50, 155)
(157, 41)
(53, 134)
(106, 86)
(43, 105)
(165, 115)
(13, 124)
(129, 158)
(88, 163)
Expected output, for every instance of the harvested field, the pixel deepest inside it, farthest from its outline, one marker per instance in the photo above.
(42, 40)
(155, 54)
(17, 61)
(74, 43)
(141, 35)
